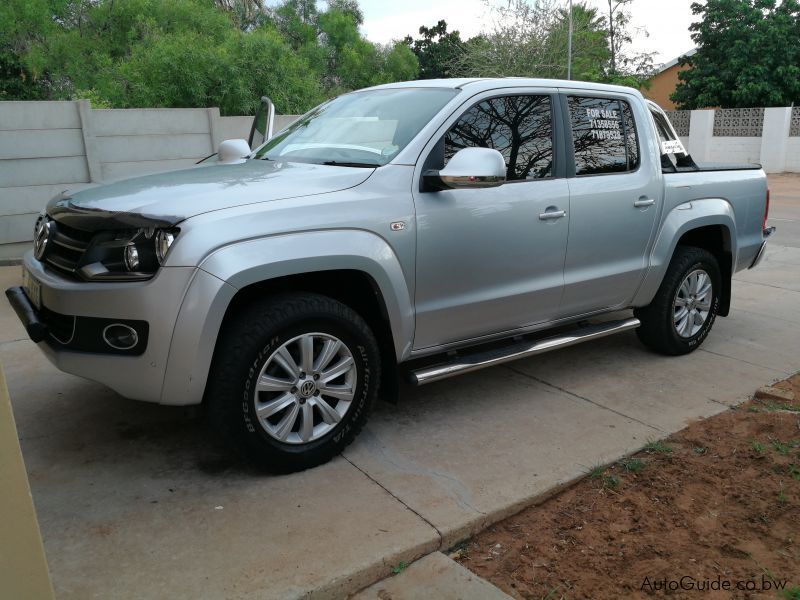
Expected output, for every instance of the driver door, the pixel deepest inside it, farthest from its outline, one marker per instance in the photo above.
(492, 260)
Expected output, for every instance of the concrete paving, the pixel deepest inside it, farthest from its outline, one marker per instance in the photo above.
(785, 208)
(435, 576)
(134, 501)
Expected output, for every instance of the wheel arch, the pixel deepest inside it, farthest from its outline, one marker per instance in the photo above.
(355, 267)
(716, 240)
(709, 224)
(354, 288)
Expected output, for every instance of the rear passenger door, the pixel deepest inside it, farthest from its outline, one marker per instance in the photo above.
(615, 199)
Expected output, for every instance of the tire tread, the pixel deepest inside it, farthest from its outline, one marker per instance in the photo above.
(657, 331)
(247, 330)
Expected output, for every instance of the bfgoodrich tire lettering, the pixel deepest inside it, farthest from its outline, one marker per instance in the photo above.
(235, 393)
(662, 328)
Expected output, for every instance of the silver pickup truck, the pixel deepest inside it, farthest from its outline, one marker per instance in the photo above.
(416, 230)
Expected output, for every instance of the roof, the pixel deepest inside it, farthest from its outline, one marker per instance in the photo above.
(675, 61)
(481, 84)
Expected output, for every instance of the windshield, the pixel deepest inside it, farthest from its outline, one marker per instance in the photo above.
(363, 129)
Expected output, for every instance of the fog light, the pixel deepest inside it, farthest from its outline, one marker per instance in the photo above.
(120, 337)
(131, 257)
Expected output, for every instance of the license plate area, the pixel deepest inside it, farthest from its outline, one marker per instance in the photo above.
(32, 288)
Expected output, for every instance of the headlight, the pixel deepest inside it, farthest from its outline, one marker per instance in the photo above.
(164, 240)
(131, 257)
(127, 255)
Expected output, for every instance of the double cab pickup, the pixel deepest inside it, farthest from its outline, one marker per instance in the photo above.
(418, 230)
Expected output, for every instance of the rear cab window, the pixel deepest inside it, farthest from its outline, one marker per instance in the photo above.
(604, 138)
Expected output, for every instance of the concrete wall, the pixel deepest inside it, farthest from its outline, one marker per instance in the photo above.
(735, 150)
(42, 151)
(47, 147)
(773, 144)
(793, 155)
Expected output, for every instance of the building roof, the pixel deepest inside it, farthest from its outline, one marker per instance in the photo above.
(674, 61)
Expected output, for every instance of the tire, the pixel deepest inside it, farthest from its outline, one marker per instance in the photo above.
(663, 329)
(247, 395)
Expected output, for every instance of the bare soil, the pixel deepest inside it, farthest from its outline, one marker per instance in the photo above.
(712, 511)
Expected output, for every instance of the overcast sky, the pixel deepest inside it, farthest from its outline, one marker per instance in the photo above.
(667, 21)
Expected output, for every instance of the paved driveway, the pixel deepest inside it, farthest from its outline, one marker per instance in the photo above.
(135, 501)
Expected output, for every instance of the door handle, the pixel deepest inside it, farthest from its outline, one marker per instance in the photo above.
(552, 214)
(644, 201)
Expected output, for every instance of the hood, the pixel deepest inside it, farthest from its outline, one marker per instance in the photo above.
(165, 199)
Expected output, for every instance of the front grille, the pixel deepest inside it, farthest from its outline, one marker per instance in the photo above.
(67, 247)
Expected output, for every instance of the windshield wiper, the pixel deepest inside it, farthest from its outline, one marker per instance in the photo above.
(336, 163)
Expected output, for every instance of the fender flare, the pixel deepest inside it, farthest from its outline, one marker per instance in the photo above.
(680, 220)
(233, 267)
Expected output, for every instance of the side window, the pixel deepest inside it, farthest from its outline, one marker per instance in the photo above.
(519, 127)
(603, 135)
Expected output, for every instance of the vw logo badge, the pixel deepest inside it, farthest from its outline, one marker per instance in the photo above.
(308, 388)
(41, 236)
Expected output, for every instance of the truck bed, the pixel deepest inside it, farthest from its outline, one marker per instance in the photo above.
(709, 166)
(743, 187)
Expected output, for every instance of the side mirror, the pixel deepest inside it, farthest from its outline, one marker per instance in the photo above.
(233, 151)
(261, 130)
(469, 168)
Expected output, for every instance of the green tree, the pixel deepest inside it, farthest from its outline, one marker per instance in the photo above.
(246, 13)
(590, 51)
(515, 45)
(185, 53)
(625, 67)
(22, 25)
(436, 49)
(748, 54)
(529, 39)
(354, 62)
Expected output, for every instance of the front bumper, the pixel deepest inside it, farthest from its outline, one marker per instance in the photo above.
(27, 313)
(83, 334)
(156, 302)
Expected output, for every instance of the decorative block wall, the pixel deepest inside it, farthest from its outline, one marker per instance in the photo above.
(738, 122)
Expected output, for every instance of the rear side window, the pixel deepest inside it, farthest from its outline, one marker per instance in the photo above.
(603, 135)
(519, 127)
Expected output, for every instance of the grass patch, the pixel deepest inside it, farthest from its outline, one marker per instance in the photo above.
(657, 446)
(552, 594)
(596, 471)
(773, 406)
(633, 465)
(793, 593)
(782, 497)
(780, 447)
(758, 447)
(699, 450)
(400, 568)
(612, 482)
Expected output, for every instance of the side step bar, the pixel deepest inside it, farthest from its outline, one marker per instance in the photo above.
(497, 356)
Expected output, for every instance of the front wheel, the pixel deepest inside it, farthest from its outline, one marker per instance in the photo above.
(293, 380)
(685, 306)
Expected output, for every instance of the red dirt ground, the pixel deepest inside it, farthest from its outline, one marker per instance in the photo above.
(715, 508)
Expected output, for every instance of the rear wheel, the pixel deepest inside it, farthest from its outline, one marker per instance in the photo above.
(685, 306)
(293, 381)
